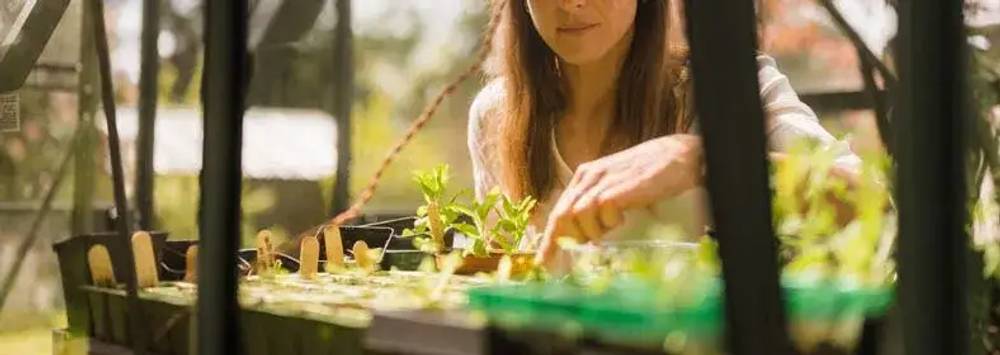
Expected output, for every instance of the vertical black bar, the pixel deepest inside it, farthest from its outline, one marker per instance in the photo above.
(932, 119)
(722, 36)
(148, 72)
(223, 99)
(137, 322)
(343, 54)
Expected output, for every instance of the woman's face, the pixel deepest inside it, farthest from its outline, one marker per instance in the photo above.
(582, 31)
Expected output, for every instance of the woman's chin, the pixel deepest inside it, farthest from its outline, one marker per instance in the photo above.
(580, 57)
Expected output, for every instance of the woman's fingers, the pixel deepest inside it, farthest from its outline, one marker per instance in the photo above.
(560, 223)
(634, 178)
(594, 216)
(584, 180)
(556, 229)
(626, 195)
(586, 219)
(610, 215)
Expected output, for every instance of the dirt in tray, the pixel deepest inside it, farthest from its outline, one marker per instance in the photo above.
(351, 295)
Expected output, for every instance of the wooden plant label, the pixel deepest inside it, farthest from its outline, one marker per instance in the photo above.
(101, 271)
(505, 268)
(145, 261)
(191, 264)
(265, 256)
(334, 247)
(308, 257)
(361, 256)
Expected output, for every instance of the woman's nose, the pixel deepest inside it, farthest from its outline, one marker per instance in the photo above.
(570, 5)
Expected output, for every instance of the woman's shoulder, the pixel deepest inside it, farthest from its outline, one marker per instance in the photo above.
(484, 108)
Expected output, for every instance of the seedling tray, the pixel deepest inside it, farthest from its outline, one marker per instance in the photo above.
(265, 331)
(283, 314)
(820, 312)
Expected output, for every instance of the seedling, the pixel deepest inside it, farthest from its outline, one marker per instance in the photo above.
(363, 256)
(496, 221)
(812, 241)
(438, 215)
(512, 220)
(266, 265)
(479, 232)
(515, 216)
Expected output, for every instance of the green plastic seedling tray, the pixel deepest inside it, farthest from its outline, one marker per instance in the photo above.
(631, 311)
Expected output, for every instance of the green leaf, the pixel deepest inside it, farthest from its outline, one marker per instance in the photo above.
(467, 230)
(490, 200)
(479, 248)
(465, 210)
(483, 211)
(527, 204)
(507, 225)
(508, 206)
(449, 214)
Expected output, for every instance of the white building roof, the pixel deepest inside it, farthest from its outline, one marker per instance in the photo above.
(288, 144)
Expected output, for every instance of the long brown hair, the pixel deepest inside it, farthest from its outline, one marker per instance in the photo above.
(535, 97)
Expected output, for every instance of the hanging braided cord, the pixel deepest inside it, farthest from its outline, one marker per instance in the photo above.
(369, 191)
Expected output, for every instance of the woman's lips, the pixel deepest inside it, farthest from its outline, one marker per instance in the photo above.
(576, 29)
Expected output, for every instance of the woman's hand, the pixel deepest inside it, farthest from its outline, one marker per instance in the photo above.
(844, 210)
(601, 190)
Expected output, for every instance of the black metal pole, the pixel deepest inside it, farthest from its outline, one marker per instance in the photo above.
(932, 123)
(136, 320)
(343, 69)
(148, 72)
(223, 97)
(722, 36)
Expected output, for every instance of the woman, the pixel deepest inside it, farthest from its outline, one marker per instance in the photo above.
(589, 110)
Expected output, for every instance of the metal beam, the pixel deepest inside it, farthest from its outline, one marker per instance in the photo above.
(722, 37)
(343, 88)
(148, 72)
(223, 98)
(136, 320)
(25, 40)
(835, 101)
(932, 127)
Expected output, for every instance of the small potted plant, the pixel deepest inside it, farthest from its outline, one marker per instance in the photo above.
(439, 213)
(498, 226)
(494, 226)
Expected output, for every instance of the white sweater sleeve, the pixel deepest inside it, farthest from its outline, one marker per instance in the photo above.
(482, 147)
(789, 119)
